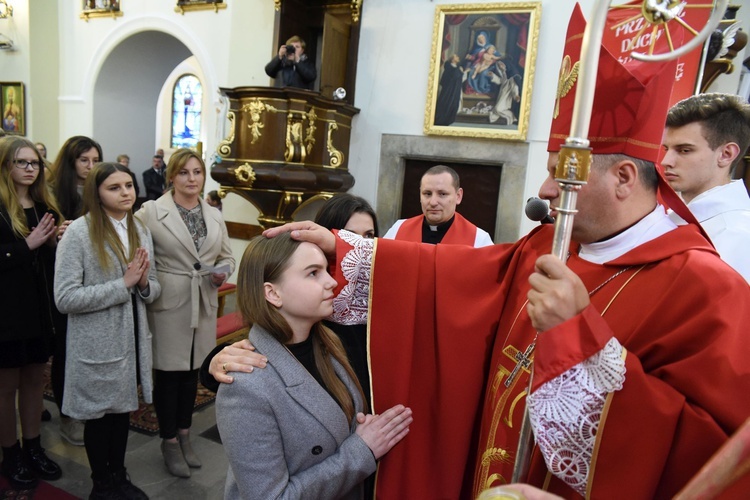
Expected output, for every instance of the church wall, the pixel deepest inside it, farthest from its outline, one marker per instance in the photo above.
(15, 65)
(43, 114)
(232, 46)
(394, 63)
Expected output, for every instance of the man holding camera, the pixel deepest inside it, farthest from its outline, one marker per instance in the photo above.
(295, 68)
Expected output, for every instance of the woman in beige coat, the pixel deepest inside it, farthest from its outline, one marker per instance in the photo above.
(193, 258)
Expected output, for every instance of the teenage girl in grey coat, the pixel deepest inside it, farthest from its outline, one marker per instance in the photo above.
(103, 279)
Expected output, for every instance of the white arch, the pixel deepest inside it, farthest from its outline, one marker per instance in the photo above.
(141, 24)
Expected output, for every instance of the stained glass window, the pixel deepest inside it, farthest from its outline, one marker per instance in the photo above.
(186, 112)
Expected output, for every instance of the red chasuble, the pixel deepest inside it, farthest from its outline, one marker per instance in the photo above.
(447, 321)
(461, 232)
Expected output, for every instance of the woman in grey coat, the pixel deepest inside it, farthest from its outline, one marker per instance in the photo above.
(296, 429)
(103, 279)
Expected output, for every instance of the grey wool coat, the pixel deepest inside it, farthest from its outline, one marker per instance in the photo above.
(285, 436)
(100, 368)
(184, 316)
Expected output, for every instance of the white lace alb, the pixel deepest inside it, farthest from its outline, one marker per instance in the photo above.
(565, 413)
(350, 305)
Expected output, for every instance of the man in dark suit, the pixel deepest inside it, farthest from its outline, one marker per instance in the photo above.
(153, 178)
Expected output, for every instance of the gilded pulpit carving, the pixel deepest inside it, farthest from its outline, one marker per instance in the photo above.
(269, 156)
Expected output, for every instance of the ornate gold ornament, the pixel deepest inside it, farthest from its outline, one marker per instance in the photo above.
(277, 5)
(256, 108)
(225, 146)
(291, 198)
(337, 157)
(568, 77)
(245, 174)
(207, 5)
(573, 165)
(113, 12)
(295, 151)
(356, 7)
(309, 136)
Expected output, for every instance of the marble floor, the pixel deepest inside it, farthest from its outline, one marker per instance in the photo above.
(144, 462)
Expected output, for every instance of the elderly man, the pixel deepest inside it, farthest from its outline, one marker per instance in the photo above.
(439, 194)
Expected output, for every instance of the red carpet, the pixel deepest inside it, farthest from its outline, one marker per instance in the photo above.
(43, 491)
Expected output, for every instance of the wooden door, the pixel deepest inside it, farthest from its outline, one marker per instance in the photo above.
(334, 54)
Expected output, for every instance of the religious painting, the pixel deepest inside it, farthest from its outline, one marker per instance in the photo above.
(482, 70)
(100, 8)
(13, 104)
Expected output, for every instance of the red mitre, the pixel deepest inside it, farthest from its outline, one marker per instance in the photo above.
(630, 107)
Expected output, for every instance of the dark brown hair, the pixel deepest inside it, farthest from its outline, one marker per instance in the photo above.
(265, 260)
(101, 230)
(724, 118)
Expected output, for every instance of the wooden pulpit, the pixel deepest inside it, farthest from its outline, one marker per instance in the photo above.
(285, 148)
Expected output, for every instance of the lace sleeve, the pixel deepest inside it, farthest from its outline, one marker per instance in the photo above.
(350, 305)
(565, 413)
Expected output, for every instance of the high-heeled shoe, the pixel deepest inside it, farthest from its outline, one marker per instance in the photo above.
(187, 451)
(173, 458)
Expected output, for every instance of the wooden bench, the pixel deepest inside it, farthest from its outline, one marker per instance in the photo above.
(230, 328)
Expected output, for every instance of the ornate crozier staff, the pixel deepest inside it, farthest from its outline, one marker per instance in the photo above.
(574, 160)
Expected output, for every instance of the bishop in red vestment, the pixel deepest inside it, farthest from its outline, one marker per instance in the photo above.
(639, 344)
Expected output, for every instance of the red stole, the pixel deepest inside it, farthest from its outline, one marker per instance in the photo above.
(461, 232)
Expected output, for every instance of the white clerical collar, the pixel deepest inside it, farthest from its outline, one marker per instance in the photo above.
(649, 228)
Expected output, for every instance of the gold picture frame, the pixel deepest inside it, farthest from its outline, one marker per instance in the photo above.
(482, 70)
(191, 5)
(100, 8)
(13, 106)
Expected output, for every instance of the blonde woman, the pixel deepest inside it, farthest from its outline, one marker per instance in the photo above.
(104, 277)
(29, 316)
(193, 258)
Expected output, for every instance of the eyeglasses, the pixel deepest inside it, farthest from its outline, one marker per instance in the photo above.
(24, 164)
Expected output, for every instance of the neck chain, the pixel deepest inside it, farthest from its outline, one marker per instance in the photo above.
(524, 359)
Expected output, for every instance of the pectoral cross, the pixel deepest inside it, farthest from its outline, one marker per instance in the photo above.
(524, 361)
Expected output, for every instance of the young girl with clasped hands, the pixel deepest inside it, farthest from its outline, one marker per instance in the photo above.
(103, 279)
(296, 429)
(29, 316)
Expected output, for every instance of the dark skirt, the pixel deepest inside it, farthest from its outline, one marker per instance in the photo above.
(19, 353)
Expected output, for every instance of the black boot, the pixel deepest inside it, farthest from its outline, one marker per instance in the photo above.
(125, 488)
(104, 488)
(34, 455)
(15, 468)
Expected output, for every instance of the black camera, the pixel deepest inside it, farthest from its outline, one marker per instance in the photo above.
(290, 49)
